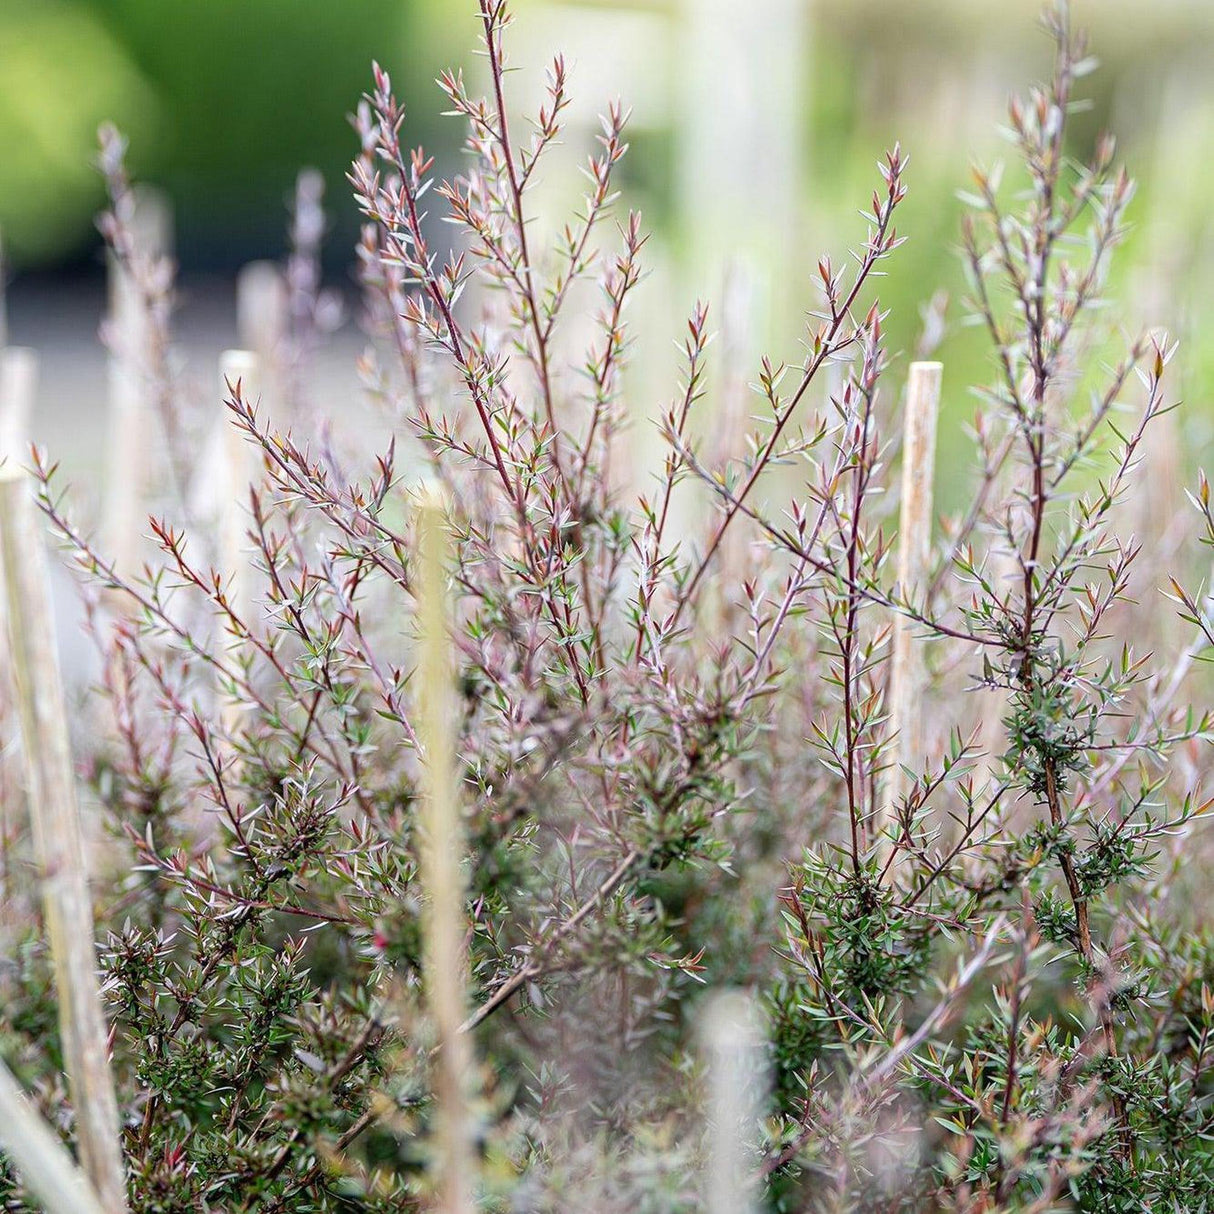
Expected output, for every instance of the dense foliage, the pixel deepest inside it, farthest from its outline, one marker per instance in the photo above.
(989, 990)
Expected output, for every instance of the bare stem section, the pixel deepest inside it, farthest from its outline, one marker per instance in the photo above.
(442, 848)
(58, 839)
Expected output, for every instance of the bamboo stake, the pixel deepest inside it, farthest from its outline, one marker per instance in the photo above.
(234, 470)
(18, 384)
(735, 73)
(993, 702)
(733, 1050)
(442, 848)
(130, 419)
(1164, 288)
(907, 673)
(261, 305)
(739, 297)
(18, 387)
(58, 839)
(262, 322)
(233, 475)
(47, 1169)
(261, 311)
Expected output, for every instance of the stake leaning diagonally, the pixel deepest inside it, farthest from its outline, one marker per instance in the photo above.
(442, 849)
(40, 1159)
(58, 838)
(907, 671)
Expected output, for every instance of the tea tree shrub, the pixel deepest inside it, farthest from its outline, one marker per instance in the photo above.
(991, 992)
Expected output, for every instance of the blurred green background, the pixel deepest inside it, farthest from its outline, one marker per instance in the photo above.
(222, 100)
(756, 127)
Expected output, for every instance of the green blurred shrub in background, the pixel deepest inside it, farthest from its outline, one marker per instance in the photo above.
(62, 70)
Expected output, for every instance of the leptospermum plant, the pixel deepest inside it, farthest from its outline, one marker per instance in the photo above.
(673, 742)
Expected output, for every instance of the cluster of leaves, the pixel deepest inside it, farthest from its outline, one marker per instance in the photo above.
(983, 989)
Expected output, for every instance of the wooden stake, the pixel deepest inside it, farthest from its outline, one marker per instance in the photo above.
(907, 673)
(733, 1052)
(442, 849)
(58, 839)
(47, 1169)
